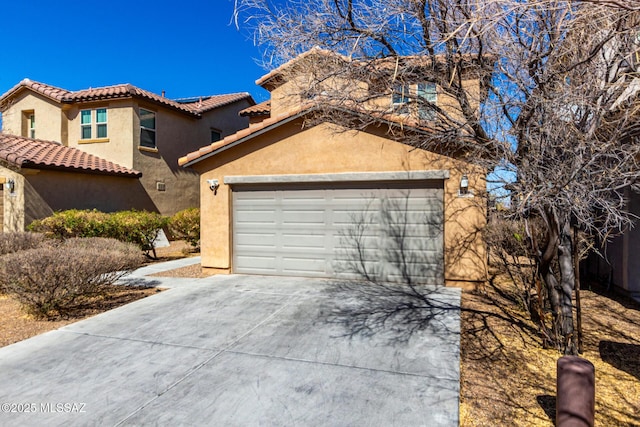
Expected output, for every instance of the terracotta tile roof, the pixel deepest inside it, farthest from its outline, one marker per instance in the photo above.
(51, 92)
(206, 103)
(39, 154)
(125, 91)
(266, 80)
(261, 109)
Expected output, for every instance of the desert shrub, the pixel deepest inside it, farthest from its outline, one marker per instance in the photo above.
(55, 277)
(138, 227)
(17, 241)
(73, 223)
(186, 225)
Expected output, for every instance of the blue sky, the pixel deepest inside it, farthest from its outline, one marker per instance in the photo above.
(186, 47)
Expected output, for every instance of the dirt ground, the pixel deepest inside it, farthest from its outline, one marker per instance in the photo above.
(507, 378)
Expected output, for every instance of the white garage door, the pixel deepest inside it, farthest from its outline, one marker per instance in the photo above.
(387, 231)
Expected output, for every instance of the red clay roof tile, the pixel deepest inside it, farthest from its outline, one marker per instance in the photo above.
(261, 109)
(40, 154)
(206, 103)
(195, 108)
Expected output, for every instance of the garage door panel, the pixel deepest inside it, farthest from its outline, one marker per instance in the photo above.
(325, 232)
(255, 240)
(303, 241)
(303, 217)
(254, 263)
(304, 266)
(256, 216)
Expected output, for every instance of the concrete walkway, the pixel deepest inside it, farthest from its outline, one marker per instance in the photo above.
(235, 351)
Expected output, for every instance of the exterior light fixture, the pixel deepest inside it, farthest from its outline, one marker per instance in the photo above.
(464, 185)
(213, 185)
(11, 185)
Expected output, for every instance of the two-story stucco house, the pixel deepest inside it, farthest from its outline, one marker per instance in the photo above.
(132, 129)
(299, 194)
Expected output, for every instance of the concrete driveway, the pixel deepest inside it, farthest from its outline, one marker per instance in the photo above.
(237, 350)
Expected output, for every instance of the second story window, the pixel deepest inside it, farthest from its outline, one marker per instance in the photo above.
(427, 95)
(93, 123)
(32, 125)
(400, 98)
(415, 99)
(147, 128)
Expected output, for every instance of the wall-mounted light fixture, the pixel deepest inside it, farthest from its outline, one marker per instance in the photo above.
(464, 185)
(11, 185)
(213, 185)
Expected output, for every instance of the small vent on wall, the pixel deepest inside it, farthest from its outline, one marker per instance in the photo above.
(160, 186)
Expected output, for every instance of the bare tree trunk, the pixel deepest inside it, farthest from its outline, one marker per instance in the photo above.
(567, 275)
(576, 257)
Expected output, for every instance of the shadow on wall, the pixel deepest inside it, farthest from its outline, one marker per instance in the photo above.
(49, 191)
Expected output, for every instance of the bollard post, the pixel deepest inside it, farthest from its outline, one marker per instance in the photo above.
(576, 398)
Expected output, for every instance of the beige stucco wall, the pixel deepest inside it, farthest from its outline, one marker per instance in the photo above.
(48, 117)
(13, 203)
(321, 149)
(177, 135)
(120, 130)
(48, 191)
(286, 97)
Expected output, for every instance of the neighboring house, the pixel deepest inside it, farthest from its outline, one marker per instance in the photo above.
(289, 196)
(620, 267)
(130, 127)
(38, 177)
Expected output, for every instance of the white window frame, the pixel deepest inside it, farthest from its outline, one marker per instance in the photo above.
(32, 125)
(415, 94)
(104, 123)
(152, 130)
(93, 124)
(426, 92)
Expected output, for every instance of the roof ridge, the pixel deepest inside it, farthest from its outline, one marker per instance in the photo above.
(103, 87)
(27, 80)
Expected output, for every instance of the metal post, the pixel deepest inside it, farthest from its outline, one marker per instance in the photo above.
(575, 402)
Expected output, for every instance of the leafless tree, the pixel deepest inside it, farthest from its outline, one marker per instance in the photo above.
(553, 121)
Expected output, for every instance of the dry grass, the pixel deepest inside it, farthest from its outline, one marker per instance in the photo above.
(509, 379)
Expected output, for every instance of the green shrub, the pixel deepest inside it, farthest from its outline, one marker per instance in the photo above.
(138, 227)
(17, 241)
(186, 225)
(73, 223)
(55, 277)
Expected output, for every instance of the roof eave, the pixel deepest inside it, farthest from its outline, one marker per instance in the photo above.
(244, 139)
(27, 164)
(289, 119)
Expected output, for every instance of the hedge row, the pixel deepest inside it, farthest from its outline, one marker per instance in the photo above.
(138, 227)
